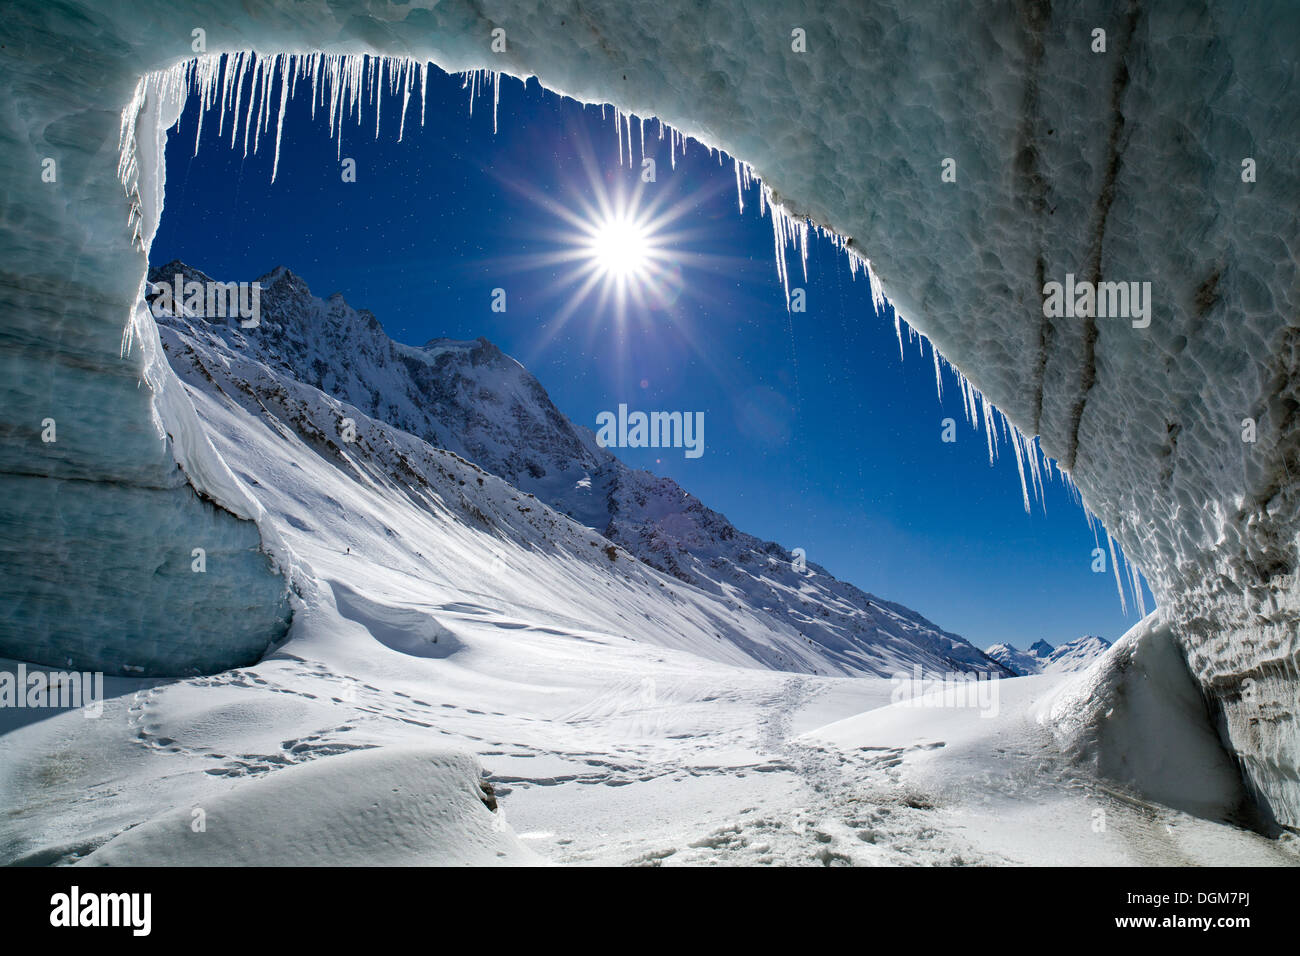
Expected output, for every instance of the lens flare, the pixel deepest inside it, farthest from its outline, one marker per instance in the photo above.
(620, 248)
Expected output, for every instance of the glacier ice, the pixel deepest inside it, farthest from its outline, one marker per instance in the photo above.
(1124, 165)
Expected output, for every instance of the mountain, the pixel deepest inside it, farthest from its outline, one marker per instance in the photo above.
(1020, 663)
(482, 406)
(1043, 658)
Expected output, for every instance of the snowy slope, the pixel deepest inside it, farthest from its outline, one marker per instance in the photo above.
(484, 407)
(440, 620)
(1043, 658)
(1021, 663)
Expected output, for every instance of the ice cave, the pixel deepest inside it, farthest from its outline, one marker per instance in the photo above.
(971, 154)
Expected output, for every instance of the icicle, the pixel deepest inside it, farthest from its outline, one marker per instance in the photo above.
(990, 433)
(1114, 566)
(239, 92)
(279, 125)
(618, 133)
(406, 99)
(803, 246)
(424, 81)
(252, 100)
(1135, 583)
(1014, 438)
(229, 76)
(376, 98)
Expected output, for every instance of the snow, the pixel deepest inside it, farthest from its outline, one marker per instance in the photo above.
(481, 405)
(1105, 716)
(1125, 165)
(1042, 658)
(443, 628)
(384, 807)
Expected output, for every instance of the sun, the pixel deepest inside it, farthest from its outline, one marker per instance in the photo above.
(620, 247)
(623, 250)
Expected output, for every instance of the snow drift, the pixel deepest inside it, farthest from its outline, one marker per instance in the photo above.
(385, 807)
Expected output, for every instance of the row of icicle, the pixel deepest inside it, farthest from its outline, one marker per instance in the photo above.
(347, 84)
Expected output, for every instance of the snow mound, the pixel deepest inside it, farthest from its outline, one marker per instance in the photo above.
(396, 806)
(1137, 718)
(403, 629)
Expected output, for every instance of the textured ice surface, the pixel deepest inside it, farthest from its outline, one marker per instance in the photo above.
(1124, 165)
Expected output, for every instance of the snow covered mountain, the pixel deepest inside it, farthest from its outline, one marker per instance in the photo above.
(1043, 658)
(484, 407)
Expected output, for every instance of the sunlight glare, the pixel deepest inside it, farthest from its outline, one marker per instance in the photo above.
(621, 247)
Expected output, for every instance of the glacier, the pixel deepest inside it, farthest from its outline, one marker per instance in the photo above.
(1124, 165)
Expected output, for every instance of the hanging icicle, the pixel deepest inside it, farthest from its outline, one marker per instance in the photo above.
(346, 84)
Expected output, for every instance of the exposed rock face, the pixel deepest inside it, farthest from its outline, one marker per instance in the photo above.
(1123, 165)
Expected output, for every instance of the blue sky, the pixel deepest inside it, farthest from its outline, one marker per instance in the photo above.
(817, 435)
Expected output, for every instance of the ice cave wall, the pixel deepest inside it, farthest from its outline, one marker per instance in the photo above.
(112, 557)
(1117, 165)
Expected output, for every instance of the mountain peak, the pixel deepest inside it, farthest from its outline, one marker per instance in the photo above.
(168, 272)
(281, 274)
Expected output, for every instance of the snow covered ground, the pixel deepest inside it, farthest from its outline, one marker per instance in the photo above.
(600, 751)
(446, 629)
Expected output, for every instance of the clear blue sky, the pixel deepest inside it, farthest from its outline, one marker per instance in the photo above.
(816, 434)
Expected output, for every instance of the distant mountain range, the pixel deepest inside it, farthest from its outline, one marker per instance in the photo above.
(473, 400)
(1043, 658)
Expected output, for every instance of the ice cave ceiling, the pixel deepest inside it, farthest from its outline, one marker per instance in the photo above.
(1127, 164)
